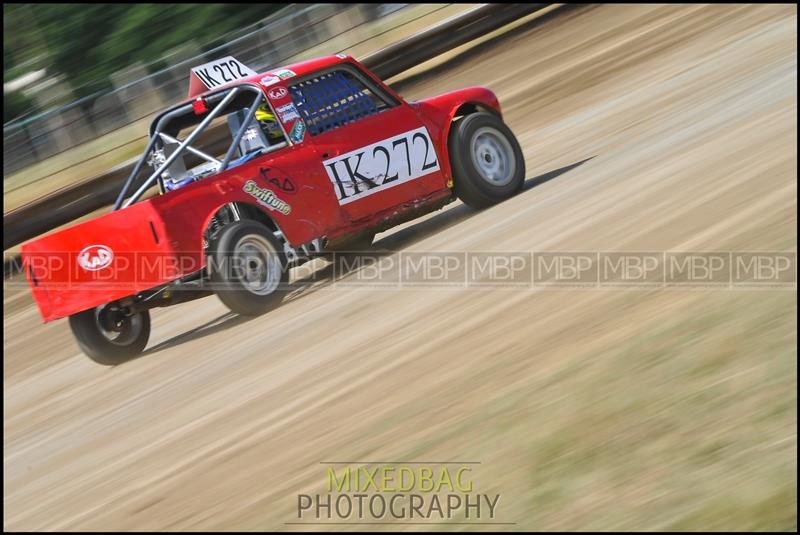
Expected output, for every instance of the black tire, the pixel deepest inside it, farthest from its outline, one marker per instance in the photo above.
(239, 247)
(486, 159)
(110, 338)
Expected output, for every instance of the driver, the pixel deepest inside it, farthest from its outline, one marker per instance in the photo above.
(269, 124)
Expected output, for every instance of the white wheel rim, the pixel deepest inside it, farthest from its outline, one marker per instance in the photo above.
(493, 156)
(259, 264)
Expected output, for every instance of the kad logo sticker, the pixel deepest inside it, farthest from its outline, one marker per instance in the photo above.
(266, 197)
(277, 93)
(284, 184)
(287, 113)
(298, 131)
(382, 165)
(95, 257)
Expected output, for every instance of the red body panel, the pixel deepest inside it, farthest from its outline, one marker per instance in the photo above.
(438, 113)
(159, 240)
(61, 286)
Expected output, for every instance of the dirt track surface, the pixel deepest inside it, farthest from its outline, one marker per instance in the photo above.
(587, 409)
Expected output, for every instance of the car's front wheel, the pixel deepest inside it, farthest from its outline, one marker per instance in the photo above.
(109, 335)
(248, 268)
(486, 160)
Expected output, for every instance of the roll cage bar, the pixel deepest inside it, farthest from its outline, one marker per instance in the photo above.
(224, 97)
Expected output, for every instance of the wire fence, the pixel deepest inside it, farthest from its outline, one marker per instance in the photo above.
(274, 40)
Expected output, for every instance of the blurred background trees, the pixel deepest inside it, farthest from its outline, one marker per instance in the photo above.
(86, 43)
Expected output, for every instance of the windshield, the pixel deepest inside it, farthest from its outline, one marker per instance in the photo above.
(201, 138)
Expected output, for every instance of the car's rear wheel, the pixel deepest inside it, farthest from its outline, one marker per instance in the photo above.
(249, 269)
(486, 159)
(109, 335)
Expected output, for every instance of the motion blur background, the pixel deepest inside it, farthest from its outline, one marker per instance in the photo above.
(645, 128)
(91, 78)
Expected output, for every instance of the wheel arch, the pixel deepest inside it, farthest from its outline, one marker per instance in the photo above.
(246, 210)
(468, 108)
(462, 110)
(442, 110)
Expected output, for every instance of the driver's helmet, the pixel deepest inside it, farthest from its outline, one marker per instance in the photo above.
(269, 124)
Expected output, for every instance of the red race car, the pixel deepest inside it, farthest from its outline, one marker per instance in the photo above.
(314, 157)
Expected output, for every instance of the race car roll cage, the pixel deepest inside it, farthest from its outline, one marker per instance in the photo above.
(226, 96)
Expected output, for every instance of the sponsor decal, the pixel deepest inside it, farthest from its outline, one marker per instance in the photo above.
(221, 71)
(283, 74)
(95, 257)
(382, 165)
(287, 113)
(298, 131)
(250, 134)
(284, 184)
(269, 80)
(267, 197)
(341, 56)
(277, 92)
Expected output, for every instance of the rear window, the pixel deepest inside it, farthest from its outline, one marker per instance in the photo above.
(334, 99)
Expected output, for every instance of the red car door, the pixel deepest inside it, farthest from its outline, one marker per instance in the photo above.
(375, 151)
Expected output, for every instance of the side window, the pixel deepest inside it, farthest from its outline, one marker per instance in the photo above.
(334, 99)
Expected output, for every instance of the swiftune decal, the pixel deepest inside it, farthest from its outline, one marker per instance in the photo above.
(267, 197)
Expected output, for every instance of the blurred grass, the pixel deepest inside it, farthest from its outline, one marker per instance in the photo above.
(682, 419)
(675, 428)
(678, 413)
